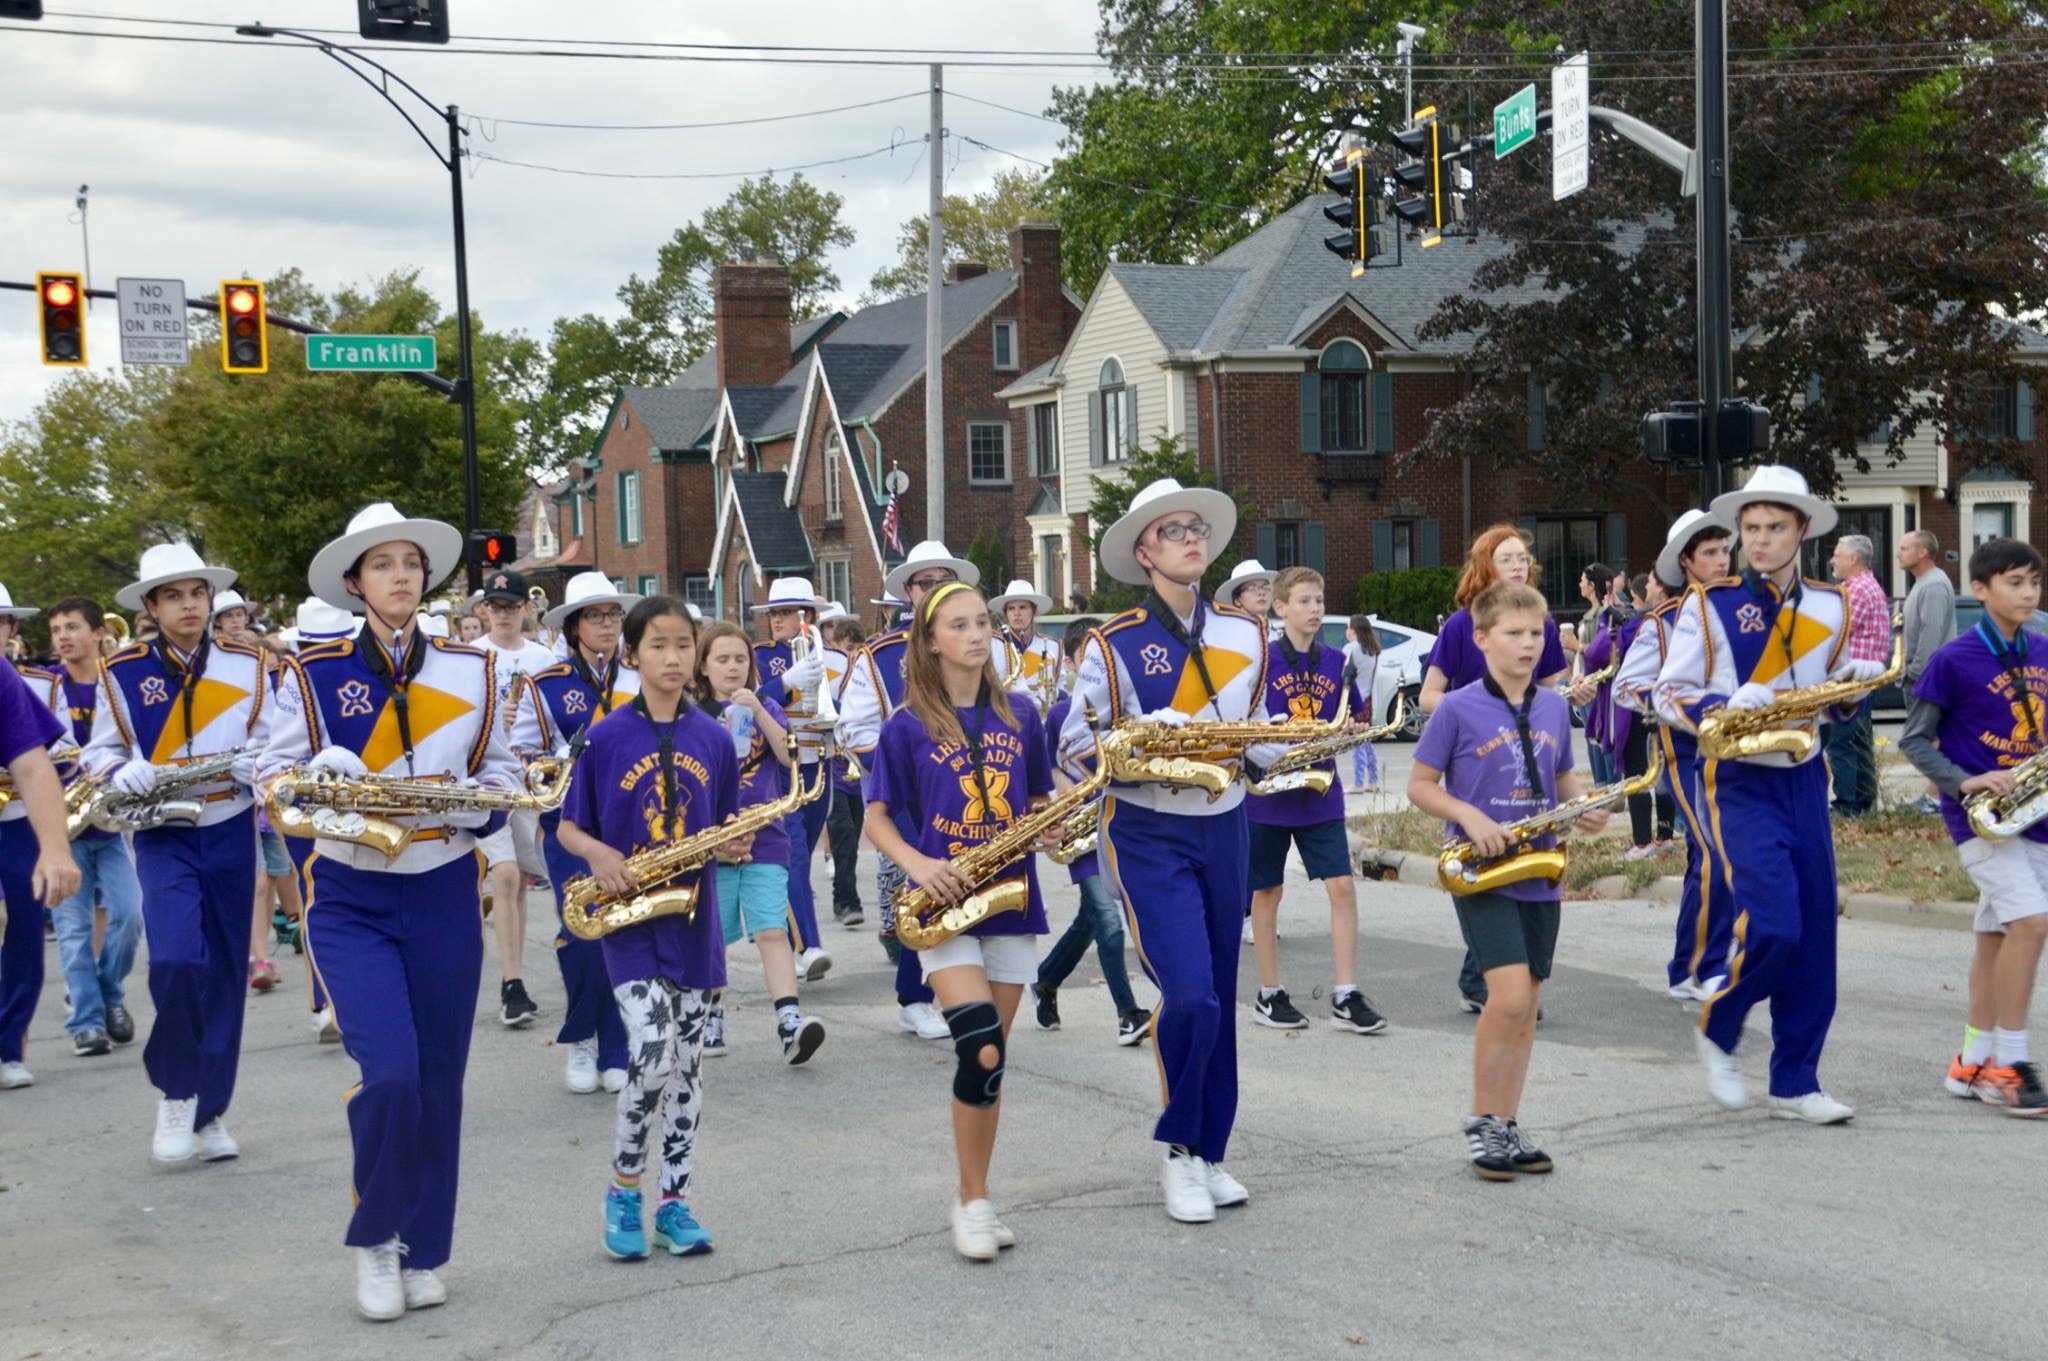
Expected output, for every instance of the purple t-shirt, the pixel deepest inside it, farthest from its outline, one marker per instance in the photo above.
(1089, 865)
(1305, 685)
(1983, 724)
(762, 780)
(938, 788)
(1472, 739)
(615, 794)
(1457, 653)
(25, 718)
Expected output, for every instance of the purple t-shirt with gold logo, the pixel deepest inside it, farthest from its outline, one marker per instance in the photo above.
(1305, 685)
(954, 808)
(1473, 739)
(1985, 720)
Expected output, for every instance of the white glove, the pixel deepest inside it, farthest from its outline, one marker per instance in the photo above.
(135, 778)
(806, 674)
(244, 769)
(341, 761)
(1265, 753)
(1856, 671)
(1754, 695)
(1172, 718)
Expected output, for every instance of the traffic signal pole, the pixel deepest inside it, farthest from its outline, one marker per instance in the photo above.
(1716, 341)
(465, 378)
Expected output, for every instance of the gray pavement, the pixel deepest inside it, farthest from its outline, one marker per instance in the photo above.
(1669, 1228)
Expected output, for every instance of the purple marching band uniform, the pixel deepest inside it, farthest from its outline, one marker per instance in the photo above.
(26, 723)
(807, 823)
(1306, 686)
(555, 706)
(1607, 723)
(197, 882)
(1700, 948)
(1780, 891)
(399, 943)
(1177, 859)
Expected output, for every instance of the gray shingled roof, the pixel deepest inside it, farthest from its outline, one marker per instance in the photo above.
(774, 531)
(1179, 301)
(853, 370)
(678, 418)
(1036, 378)
(900, 323)
(757, 410)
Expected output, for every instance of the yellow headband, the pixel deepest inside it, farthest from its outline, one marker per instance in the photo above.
(931, 602)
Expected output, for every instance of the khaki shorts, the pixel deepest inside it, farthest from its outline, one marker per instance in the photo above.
(2011, 879)
(1005, 959)
(517, 840)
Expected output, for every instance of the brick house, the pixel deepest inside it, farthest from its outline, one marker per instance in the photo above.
(1299, 386)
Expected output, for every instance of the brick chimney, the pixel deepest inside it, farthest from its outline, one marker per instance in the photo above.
(750, 314)
(960, 271)
(1041, 303)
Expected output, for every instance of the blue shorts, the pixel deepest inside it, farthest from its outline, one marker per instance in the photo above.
(756, 894)
(276, 863)
(1325, 852)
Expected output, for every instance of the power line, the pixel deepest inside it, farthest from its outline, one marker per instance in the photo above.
(991, 104)
(680, 127)
(1070, 172)
(695, 174)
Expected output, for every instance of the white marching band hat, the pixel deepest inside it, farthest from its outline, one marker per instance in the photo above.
(790, 593)
(378, 523)
(833, 610)
(1242, 575)
(13, 611)
(1019, 592)
(163, 563)
(319, 622)
(230, 600)
(1684, 530)
(1778, 485)
(584, 590)
(930, 553)
(433, 625)
(1164, 497)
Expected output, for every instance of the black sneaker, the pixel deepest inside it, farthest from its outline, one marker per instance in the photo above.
(1279, 1013)
(91, 1041)
(854, 916)
(1486, 1144)
(2028, 1097)
(1354, 1013)
(1047, 1004)
(515, 1008)
(120, 1025)
(1133, 1026)
(1471, 1005)
(801, 1040)
(1523, 1153)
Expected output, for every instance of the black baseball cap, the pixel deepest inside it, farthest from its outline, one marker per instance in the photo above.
(505, 585)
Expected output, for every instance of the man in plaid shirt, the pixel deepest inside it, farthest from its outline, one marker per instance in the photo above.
(1852, 746)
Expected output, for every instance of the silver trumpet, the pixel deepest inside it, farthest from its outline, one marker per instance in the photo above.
(807, 715)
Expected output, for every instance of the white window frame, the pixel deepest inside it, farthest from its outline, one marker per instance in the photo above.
(835, 497)
(835, 581)
(1048, 437)
(1054, 526)
(1112, 404)
(631, 526)
(700, 590)
(650, 584)
(997, 333)
(1988, 492)
(972, 479)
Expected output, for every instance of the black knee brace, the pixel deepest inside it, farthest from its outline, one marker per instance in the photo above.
(975, 1027)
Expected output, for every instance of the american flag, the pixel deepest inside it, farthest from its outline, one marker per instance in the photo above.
(892, 525)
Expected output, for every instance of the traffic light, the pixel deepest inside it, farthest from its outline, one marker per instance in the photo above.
(244, 344)
(1358, 211)
(403, 21)
(21, 9)
(1422, 177)
(59, 305)
(492, 548)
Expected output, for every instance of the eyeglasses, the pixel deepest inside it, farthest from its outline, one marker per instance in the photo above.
(934, 580)
(1515, 560)
(605, 616)
(1176, 530)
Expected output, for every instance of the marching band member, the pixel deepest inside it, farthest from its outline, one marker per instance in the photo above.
(1695, 553)
(314, 623)
(960, 761)
(398, 942)
(1249, 587)
(872, 692)
(1037, 654)
(231, 617)
(96, 978)
(175, 698)
(556, 706)
(1976, 718)
(1178, 859)
(655, 770)
(792, 610)
(1497, 751)
(842, 824)
(1738, 644)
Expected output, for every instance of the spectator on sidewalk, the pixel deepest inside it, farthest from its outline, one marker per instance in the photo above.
(1852, 745)
(1930, 617)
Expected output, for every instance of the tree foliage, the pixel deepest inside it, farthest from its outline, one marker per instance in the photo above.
(977, 229)
(990, 553)
(1165, 456)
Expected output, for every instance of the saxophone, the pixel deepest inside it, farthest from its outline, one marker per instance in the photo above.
(96, 803)
(1461, 869)
(319, 803)
(1078, 834)
(922, 921)
(1785, 726)
(589, 913)
(2001, 817)
(67, 765)
(1193, 755)
(1296, 770)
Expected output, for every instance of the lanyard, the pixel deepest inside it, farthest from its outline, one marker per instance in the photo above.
(665, 739)
(2013, 657)
(1530, 769)
(988, 814)
(400, 681)
(601, 687)
(1171, 623)
(186, 678)
(1759, 585)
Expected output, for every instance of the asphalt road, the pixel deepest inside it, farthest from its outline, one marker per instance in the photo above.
(1669, 1228)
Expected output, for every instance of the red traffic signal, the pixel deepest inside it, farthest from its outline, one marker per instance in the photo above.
(493, 548)
(244, 344)
(61, 323)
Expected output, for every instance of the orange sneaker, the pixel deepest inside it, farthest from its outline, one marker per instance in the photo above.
(2015, 1090)
(1962, 1078)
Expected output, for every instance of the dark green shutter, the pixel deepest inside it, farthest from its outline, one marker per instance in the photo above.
(1431, 552)
(1382, 545)
(1312, 545)
(1268, 549)
(1383, 413)
(1617, 540)
(1537, 415)
(1095, 429)
(1311, 412)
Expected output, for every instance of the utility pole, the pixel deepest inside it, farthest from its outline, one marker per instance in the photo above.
(465, 377)
(1406, 47)
(85, 239)
(1716, 338)
(934, 333)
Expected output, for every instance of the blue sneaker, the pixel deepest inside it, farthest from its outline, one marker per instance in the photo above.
(623, 1236)
(676, 1229)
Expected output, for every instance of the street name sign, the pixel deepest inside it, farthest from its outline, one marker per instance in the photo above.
(152, 316)
(1570, 139)
(370, 354)
(1514, 121)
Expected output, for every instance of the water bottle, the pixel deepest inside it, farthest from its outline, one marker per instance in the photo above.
(739, 721)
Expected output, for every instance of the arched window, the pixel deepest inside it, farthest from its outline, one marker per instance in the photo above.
(1345, 373)
(1113, 402)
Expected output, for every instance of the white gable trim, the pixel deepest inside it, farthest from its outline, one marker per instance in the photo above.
(1347, 303)
(814, 380)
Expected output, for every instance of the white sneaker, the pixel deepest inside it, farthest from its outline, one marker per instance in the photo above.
(1224, 1189)
(423, 1289)
(380, 1292)
(1687, 991)
(174, 1142)
(1247, 931)
(974, 1231)
(325, 1026)
(1815, 1108)
(1186, 1183)
(1724, 1074)
(1005, 1237)
(581, 1074)
(614, 1079)
(923, 1020)
(216, 1144)
(15, 1075)
(813, 964)
(1707, 987)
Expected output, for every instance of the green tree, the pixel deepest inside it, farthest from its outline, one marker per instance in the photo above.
(991, 554)
(1166, 456)
(977, 229)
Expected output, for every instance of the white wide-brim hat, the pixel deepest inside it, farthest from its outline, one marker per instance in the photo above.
(163, 563)
(10, 610)
(1684, 530)
(1119, 550)
(318, 622)
(786, 593)
(378, 523)
(894, 602)
(1019, 592)
(930, 553)
(1242, 575)
(229, 600)
(1779, 486)
(584, 590)
(433, 625)
(833, 610)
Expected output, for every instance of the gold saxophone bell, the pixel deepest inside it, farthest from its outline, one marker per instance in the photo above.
(1463, 870)
(1786, 726)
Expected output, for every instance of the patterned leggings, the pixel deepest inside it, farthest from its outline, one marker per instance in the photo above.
(664, 1034)
(889, 881)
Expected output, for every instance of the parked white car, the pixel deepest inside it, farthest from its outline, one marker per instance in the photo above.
(1403, 654)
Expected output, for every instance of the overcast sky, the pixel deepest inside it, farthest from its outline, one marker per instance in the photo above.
(164, 132)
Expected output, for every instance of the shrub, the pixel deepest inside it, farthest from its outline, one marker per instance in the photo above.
(992, 555)
(1418, 597)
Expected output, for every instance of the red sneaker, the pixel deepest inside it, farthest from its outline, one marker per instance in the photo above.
(1962, 1078)
(262, 975)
